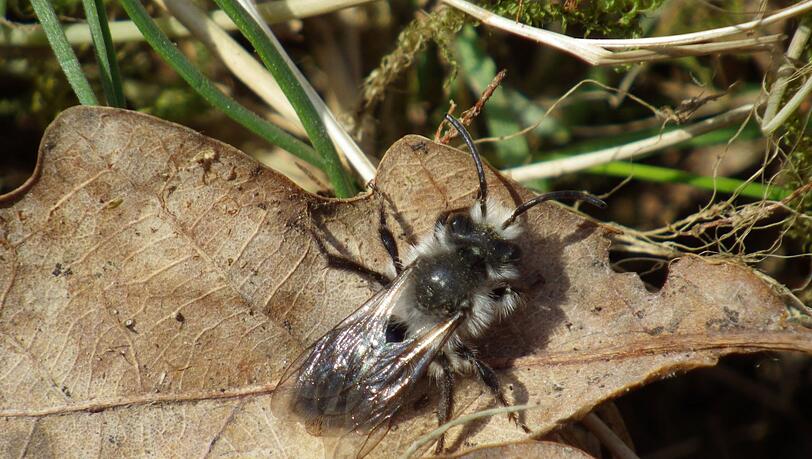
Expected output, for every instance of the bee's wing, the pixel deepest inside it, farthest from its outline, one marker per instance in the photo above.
(352, 379)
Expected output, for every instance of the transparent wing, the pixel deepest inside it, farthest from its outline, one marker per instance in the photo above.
(352, 379)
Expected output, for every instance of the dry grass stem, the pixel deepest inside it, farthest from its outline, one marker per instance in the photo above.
(599, 51)
(608, 438)
(242, 64)
(558, 167)
(786, 71)
(434, 434)
(341, 138)
(122, 31)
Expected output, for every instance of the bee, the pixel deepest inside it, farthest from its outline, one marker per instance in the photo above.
(448, 289)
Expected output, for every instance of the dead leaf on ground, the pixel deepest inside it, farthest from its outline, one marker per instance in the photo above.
(154, 283)
(524, 450)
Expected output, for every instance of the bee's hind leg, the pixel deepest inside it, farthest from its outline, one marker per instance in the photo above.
(445, 377)
(491, 381)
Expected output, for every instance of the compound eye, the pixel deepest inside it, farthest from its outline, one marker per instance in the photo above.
(508, 252)
(460, 225)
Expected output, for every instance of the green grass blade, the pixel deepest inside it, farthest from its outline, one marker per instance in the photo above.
(664, 174)
(661, 174)
(64, 53)
(167, 50)
(719, 136)
(105, 52)
(308, 115)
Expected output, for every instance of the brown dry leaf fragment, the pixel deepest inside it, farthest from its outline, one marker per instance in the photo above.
(525, 450)
(159, 326)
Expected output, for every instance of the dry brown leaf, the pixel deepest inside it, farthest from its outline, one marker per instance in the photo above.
(154, 283)
(525, 450)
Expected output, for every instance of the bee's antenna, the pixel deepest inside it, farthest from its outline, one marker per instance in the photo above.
(480, 170)
(572, 195)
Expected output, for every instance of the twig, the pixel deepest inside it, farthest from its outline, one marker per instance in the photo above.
(597, 51)
(452, 107)
(563, 166)
(607, 437)
(468, 115)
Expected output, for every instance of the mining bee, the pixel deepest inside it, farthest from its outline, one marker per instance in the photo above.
(449, 289)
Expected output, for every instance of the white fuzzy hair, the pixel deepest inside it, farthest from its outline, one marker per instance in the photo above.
(437, 241)
(496, 215)
(484, 309)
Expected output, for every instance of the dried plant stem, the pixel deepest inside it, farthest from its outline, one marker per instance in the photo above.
(563, 166)
(792, 104)
(234, 56)
(785, 72)
(340, 137)
(760, 212)
(121, 31)
(434, 434)
(468, 115)
(598, 51)
(607, 437)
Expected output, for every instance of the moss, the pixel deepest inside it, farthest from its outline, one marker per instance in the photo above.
(439, 27)
(615, 18)
(796, 172)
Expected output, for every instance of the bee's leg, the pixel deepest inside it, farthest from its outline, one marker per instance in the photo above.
(388, 241)
(446, 380)
(491, 381)
(347, 264)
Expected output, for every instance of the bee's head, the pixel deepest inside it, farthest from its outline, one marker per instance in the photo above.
(485, 218)
(481, 240)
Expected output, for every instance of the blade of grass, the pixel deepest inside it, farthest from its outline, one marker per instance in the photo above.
(636, 149)
(105, 53)
(719, 136)
(296, 95)
(241, 62)
(64, 53)
(161, 44)
(667, 175)
(342, 140)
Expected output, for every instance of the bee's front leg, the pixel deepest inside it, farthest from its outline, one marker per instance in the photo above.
(348, 264)
(388, 241)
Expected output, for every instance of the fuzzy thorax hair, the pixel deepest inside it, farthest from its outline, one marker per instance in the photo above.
(437, 241)
(485, 309)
